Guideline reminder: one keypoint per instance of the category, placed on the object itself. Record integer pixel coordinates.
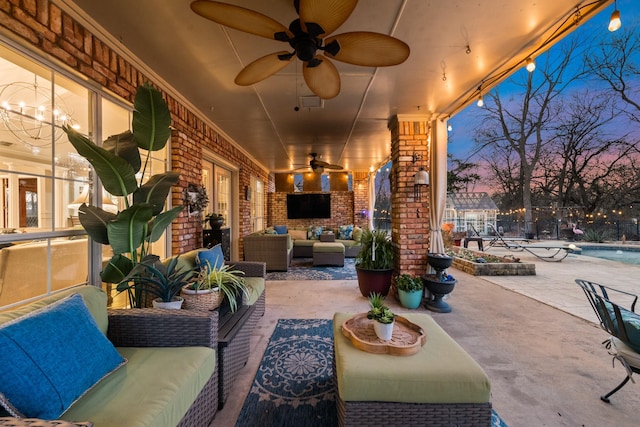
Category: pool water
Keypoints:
(627, 256)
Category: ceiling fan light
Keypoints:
(615, 23)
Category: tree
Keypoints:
(461, 176)
(616, 61)
(521, 124)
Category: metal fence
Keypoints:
(629, 229)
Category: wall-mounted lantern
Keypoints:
(420, 179)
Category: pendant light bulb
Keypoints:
(480, 101)
(531, 65)
(615, 23)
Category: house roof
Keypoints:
(470, 202)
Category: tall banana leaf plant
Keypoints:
(131, 231)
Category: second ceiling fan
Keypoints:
(307, 35)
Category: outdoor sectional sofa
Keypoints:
(200, 352)
(170, 376)
(277, 250)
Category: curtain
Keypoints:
(438, 187)
(372, 197)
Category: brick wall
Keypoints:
(341, 211)
(409, 216)
(44, 27)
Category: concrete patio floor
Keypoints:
(533, 335)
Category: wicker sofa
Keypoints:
(181, 344)
(277, 250)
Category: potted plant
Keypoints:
(383, 316)
(118, 163)
(163, 281)
(215, 285)
(374, 263)
(215, 220)
(410, 290)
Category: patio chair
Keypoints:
(545, 251)
(623, 326)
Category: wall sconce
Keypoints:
(420, 179)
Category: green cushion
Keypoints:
(441, 372)
(303, 243)
(186, 260)
(256, 286)
(52, 356)
(94, 298)
(328, 247)
(155, 388)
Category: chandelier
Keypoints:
(31, 115)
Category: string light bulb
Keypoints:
(480, 102)
(615, 23)
(531, 65)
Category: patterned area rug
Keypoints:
(303, 269)
(294, 384)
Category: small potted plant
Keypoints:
(215, 220)
(383, 316)
(213, 285)
(410, 290)
(153, 277)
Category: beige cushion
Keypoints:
(298, 234)
(441, 372)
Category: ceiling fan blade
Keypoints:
(239, 18)
(328, 14)
(263, 67)
(320, 164)
(323, 79)
(368, 49)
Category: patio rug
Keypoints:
(303, 269)
(294, 384)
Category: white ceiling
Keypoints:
(200, 59)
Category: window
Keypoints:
(43, 180)
(256, 197)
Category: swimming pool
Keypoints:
(613, 253)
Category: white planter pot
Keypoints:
(384, 331)
(175, 304)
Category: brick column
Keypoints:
(409, 216)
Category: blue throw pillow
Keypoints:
(280, 229)
(345, 232)
(51, 357)
(314, 232)
(213, 256)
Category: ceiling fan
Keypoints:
(318, 166)
(307, 35)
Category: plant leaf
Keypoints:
(94, 220)
(156, 190)
(124, 145)
(116, 174)
(162, 221)
(118, 268)
(128, 231)
(151, 119)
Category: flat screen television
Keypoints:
(308, 206)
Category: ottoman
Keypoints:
(328, 253)
(439, 385)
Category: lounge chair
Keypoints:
(544, 251)
(623, 326)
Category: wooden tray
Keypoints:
(407, 337)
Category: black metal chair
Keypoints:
(623, 326)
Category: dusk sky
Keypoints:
(462, 123)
